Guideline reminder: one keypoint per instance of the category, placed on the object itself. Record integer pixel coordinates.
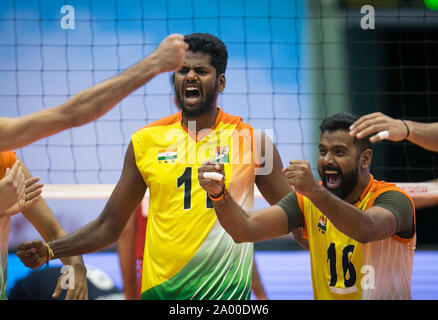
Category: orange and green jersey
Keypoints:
(7, 160)
(343, 268)
(187, 254)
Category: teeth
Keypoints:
(331, 172)
(191, 88)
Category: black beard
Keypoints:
(202, 108)
(348, 182)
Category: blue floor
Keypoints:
(285, 275)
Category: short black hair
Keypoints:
(343, 121)
(209, 44)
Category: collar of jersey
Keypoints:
(195, 136)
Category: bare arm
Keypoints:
(424, 202)
(422, 134)
(31, 195)
(257, 285)
(43, 219)
(12, 189)
(126, 249)
(93, 102)
(273, 185)
(106, 228)
(253, 226)
(243, 226)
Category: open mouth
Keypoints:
(333, 178)
(192, 95)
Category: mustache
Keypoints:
(331, 167)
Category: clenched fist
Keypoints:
(212, 186)
(171, 53)
(33, 254)
(299, 175)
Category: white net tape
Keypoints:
(102, 191)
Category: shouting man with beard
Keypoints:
(360, 231)
(187, 254)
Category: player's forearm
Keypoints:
(11, 211)
(424, 134)
(233, 219)
(348, 219)
(85, 106)
(59, 233)
(94, 102)
(126, 249)
(93, 237)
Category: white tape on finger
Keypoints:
(383, 134)
(213, 175)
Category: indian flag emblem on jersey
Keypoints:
(322, 224)
(167, 155)
(222, 154)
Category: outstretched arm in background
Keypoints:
(273, 185)
(423, 134)
(91, 103)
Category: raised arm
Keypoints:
(423, 134)
(93, 102)
(273, 184)
(106, 228)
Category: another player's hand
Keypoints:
(32, 194)
(372, 124)
(299, 176)
(78, 290)
(171, 53)
(12, 187)
(213, 187)
(33, 254)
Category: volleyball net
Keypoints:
(291, 64)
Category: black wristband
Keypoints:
(408, 132)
